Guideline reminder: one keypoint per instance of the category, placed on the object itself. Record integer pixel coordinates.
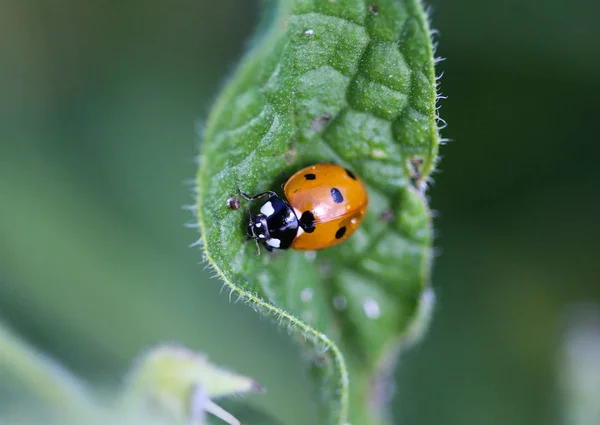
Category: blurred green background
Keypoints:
(98, 107)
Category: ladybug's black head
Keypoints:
(257, 228)
(276, 226)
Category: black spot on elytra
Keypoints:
(307, 222)
(310, 176)
(337, 195)
(340, 233)
(350, 173)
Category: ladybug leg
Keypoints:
(258, 247)
(258, 196)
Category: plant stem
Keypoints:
(42, 377)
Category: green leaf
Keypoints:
(348, 82)
(181, 383)
(168, 385)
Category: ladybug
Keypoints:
(324, 205)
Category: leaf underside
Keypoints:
(346, 82)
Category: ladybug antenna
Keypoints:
(251, 234)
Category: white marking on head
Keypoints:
(371, 308)
(261, 236)
(275, 243)
(258, 224)
(300, 231)
(306, 294)
(267, 209)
